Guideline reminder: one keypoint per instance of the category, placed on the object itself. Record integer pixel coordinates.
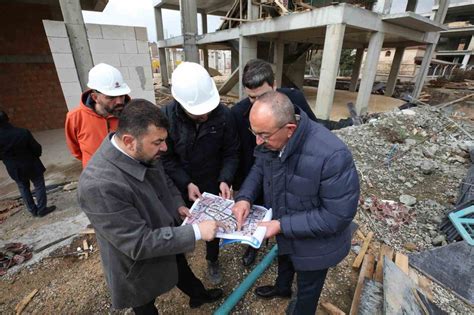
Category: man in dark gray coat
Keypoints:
(310, 181)
(133, 206)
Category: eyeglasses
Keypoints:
(263, 136)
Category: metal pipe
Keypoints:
(240, 291)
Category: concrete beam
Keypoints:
(329, 68)
(370, 69)
(189, 29)
(411, 5)
(174, 42)
(465, 61)
(356, 69)
(394, 70)
(161, 51)
(247, 51)
(72, 13)
(219, 36)
(278, 59)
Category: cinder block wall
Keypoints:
(124, 47)
(30, 92)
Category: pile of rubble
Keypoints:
(416, 157)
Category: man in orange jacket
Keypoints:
(97, 114)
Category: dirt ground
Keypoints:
(69, 285)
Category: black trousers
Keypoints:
(309, 285)
(188, 283)
(212, 250)
(40, 193)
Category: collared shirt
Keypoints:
(197, 232)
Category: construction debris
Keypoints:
(24, 302)
(13, 254)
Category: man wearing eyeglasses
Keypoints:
(257, 79)
(309, 179)
(98, 111)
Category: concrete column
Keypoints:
(188, 11)
(252, 10)
(370, 69)
(72, 13)
(205, 52)
(394, 70)
(247, 51)
(430, 48)
(278, 55)
(383, 6)
(411, 5)
(329, 68)
(161, 51)
(356, 69)
(471, 44)
(465, 61)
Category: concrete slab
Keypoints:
(413, 21)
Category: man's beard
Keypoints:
(141, 156)
(116, 110)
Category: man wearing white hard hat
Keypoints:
(97, 113)
(202, 143)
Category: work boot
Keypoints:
(270, 292)
(213, 272)
(46, 211)
(209, 296)
(249, 256)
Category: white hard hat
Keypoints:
(107, 80)
(194, 89)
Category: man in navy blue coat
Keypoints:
(20, 153)
(310, 181)
(257, 79)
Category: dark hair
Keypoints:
(3, 117)
(138, 115)
(256, 73)
(280, 105)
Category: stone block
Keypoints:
(59, 45)
(67, 75)
(55, 28)
(106, 46)
(118, 32)
(94, 31)
(64, 61)
(132, 60)
(71, 89)
(110, 59)
(141, 34)
(130, 46)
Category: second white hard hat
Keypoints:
(107, 80)
(194, 89)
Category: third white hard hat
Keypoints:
(194, 89)
(107, 80)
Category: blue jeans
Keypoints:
(309, 285)
(40, 194)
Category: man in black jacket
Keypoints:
(202, 143)
(20, 153)
(258, 78)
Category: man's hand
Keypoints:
(241, 210)
(193, 192)
(225, 190)
(209, 229)
(184, 212)
(273, 228)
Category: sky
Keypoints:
(141, 13)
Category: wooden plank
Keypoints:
(360, 235)
(398, 291)
(87, 231)
(385, 251)
(425, 285)
(363, 250)
(24, 302)
(366, 271)
(281, 6)
(332, 309)
(401, 261)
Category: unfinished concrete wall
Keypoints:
(123, 47)
(30, 92)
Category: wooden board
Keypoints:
(398, 291)
(363, 250)
(24, 302)
(366, 271)
(331, 309)
(451, 266)
(385, 251)
(402, 262)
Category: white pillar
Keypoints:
(356, 69)
(247, 51)
(161, 51)
(369, 72)
(279, 50)
(76, 30)
(394, 70)
(188, 11)
(465, 61)
(329, 67)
